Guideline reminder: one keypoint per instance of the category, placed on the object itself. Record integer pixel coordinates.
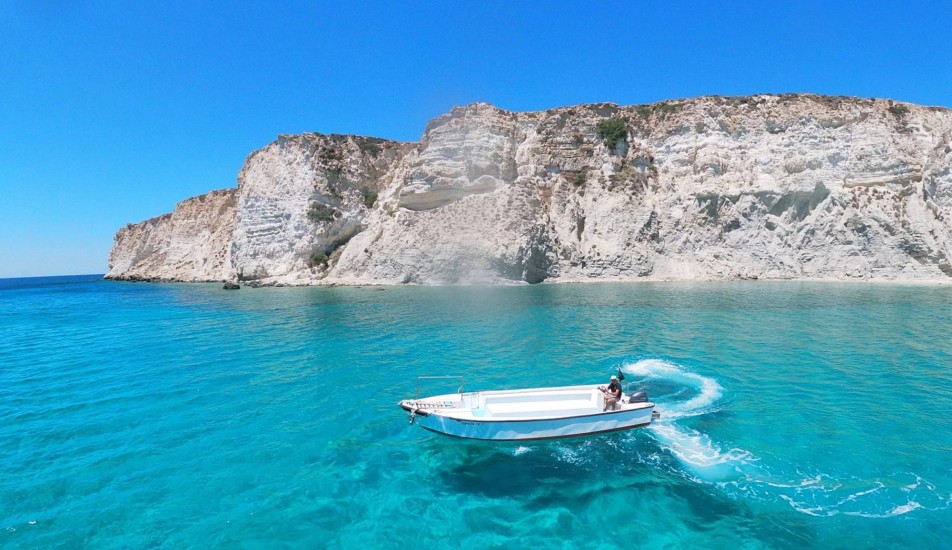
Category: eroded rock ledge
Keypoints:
(761, 187)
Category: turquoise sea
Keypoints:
(794, 415)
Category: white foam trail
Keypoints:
(904, 509)
(695, 450)
(817, 511)
(896, 511)
(708, 390)
(854, 496)
(740, 472)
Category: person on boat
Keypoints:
(612, 394)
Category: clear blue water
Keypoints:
(174, 416)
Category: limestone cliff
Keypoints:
(193, 243)
(301, 199)
(790, 186)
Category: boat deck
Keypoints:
(542, 403)
(531, 408)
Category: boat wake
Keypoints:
(707, 391)
(740, 473)
(692, 395)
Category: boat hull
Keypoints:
(534, 430)
(527, 414)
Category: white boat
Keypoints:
(528, 414)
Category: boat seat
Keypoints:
(528, 409)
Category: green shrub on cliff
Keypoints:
(612, 130)
(370, 198)
(899, 111)
(318, 258)
(319, 212)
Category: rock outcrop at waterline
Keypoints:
(789, 186)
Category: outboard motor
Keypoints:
(639, 396)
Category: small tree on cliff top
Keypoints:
(612, 130)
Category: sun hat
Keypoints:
(614, 377)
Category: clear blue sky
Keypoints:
(111, 112)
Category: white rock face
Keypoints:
(192, 243)
(330, 177)
(792, 186)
